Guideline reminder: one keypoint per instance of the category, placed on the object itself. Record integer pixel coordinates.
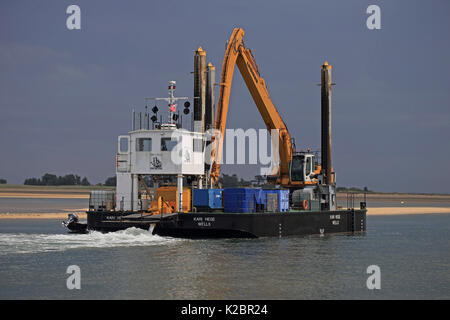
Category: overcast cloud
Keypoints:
(66, 95)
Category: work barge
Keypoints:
(168, 174)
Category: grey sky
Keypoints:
(65, 95)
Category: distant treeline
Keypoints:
(67, 180)
(352, 189)
(225, 180)
(111, 181)
(232, 181)
(3, 181)
(49, 179)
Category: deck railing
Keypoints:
(352, 196)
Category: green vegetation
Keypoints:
(52, 188)
(74, 182)
(353, 189)
(69, 180)
(111, 181)
(232, 181)
(53, 180)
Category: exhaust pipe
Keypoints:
(199, 90)
(326, 123)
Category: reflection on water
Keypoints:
(412, 252)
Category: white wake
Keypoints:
(32, 243)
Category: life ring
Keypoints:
(305, 204)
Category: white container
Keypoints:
(101, 200)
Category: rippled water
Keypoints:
(412, 252)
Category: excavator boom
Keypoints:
(237, 53)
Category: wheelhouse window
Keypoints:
(144, 144)
(167, 144)
(123, 144)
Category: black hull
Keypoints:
(115, 221)
(236, 225)
(76, 227)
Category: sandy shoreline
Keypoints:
(70, 192)
(36, 192)
(62, 216)
(48, 192)
(405, 210)
(43, 195)
(370, 212)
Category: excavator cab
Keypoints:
(303, 167)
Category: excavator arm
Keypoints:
(237, 53)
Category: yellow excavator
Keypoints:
(296, 169)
